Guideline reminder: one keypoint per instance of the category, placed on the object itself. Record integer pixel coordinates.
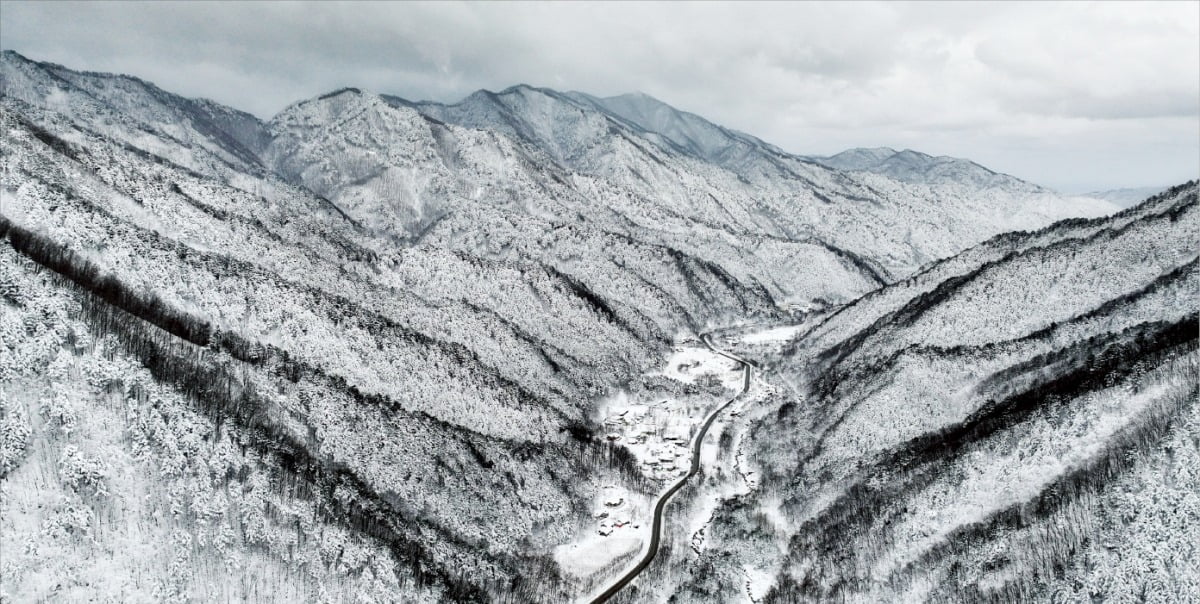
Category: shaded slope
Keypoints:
(971, 434)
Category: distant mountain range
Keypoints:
(916, 167)
(1126, 197)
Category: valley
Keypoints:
(546, 346)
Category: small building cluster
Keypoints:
(657, 434)
(615, 513)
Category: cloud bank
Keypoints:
(1076, 96)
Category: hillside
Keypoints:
(1015, 423)
(643, 168)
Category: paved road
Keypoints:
(656, 527)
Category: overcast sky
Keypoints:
(1076, 96)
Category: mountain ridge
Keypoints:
(914, 166)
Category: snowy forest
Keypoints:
(545, 346)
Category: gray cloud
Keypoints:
(1070, 95)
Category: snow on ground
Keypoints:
(618, 531)
(691, 363)
(701, 515)
(615, 510)
(773, 335)
(591, 554)
(711, 460)
(758, 582)
(658, 431)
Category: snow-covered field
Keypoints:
(693, 362)
(773, 335)
(619, 531)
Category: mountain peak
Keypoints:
(339, 92)
(524, 88)
(860, 156)
(336, 102)
(636, 97)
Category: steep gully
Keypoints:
(665, 498)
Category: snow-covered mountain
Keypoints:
(1015, 423)
(685, 131)
(218, 356)
(140, 114)
(757, 213)
(365, 350)
(916, 167)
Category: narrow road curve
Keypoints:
(665, 498)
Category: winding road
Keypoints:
(665, 497)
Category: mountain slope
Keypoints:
(353, 373)
(568, 158)
(685, 131)
(991, 429)
(141, 114)
(406, 174)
